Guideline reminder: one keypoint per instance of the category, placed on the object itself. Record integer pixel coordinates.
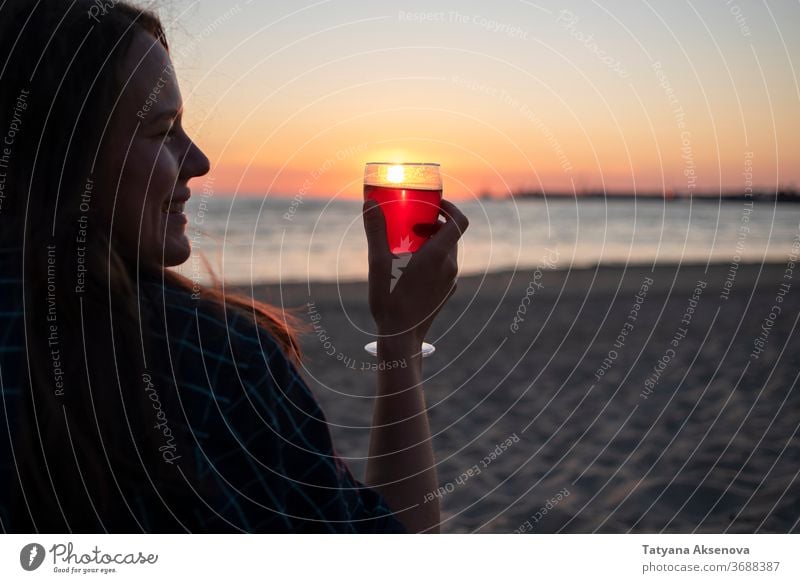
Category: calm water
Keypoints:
(248, 239)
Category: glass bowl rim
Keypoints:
(403, 164)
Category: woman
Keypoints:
(133, 402)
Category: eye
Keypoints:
(169, 133)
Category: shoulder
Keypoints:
(195, 324)
(226, 369)
(218, 351)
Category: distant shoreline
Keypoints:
(792, 196)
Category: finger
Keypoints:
(375, 229)
(426, 229)
(455, 225)
(452, 259)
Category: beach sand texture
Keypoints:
(685, 430)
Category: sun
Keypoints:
(396, 174)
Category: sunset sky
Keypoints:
(294, 97)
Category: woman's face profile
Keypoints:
(148, 160)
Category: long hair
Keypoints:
(86, 439)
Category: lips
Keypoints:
(172, 207)
(175, 204)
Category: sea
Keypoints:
(274, 239)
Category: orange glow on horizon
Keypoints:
(477, 156)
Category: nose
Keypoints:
(195, 162)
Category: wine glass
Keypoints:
(409, 195)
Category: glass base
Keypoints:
(427, 349)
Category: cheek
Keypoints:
(162, 173)
(148, 178)
(154, 172)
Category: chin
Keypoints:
(177, 253)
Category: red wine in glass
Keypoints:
(405, 209)
(409, 195)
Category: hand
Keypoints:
(408, 305)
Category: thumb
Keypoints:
(375, 228)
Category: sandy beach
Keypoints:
(606, 399)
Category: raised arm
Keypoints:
(401, 462)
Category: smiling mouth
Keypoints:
(172, 208)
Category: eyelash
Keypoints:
(170, 133)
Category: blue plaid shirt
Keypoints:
(254, 427)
